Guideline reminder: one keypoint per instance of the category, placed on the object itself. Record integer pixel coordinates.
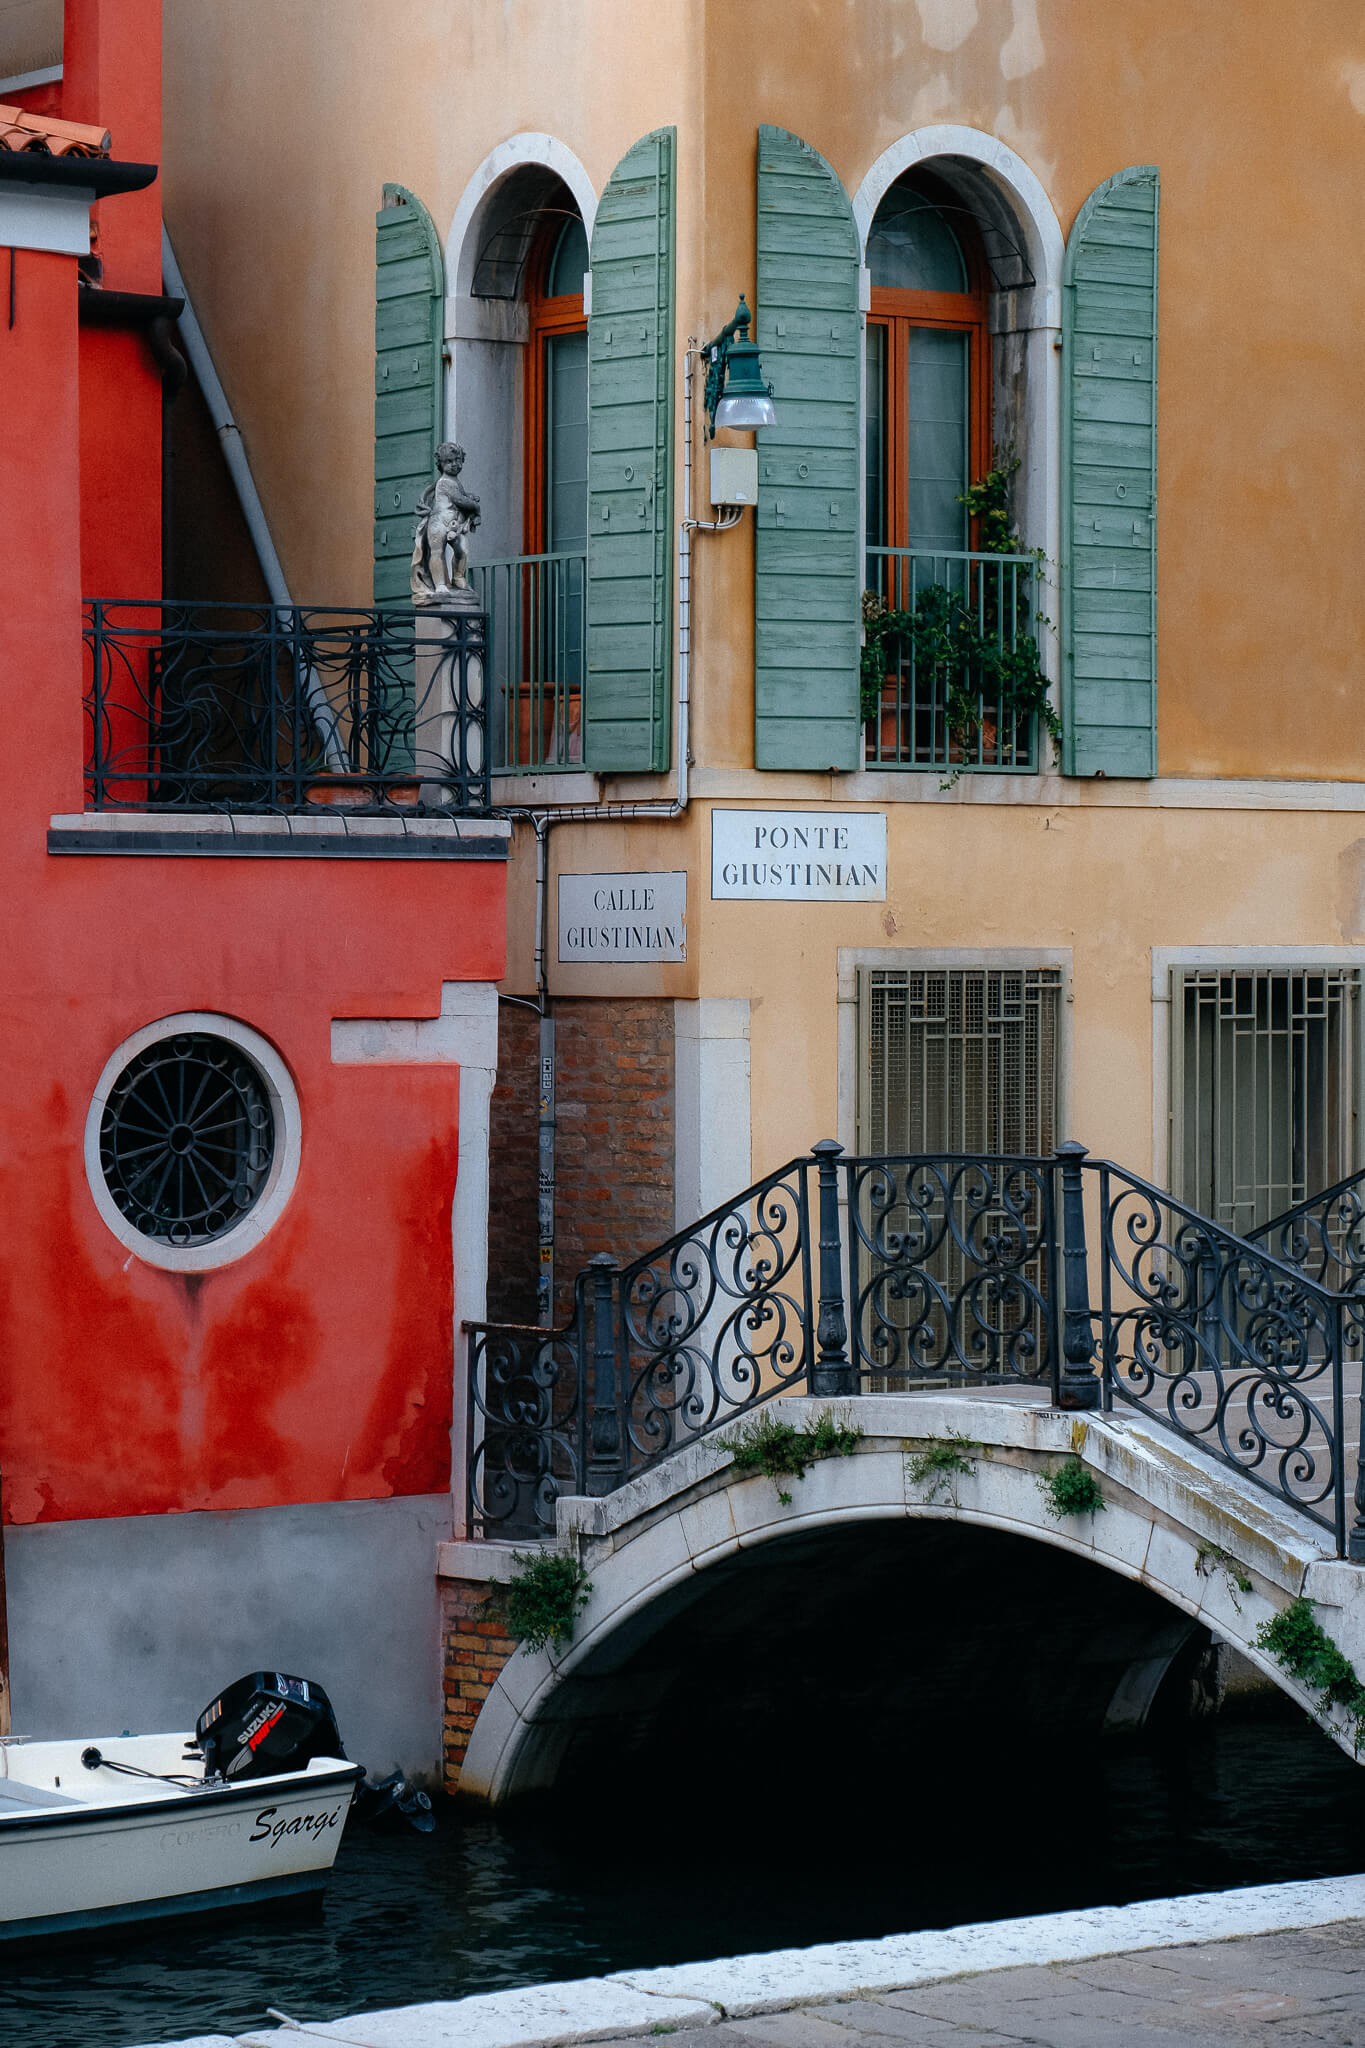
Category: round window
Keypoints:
(192, 1140)
(187, 1138)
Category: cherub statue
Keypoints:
(446, 512)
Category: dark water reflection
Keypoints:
(966, 1827)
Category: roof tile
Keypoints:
(41, 135)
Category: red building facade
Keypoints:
(225, 1417)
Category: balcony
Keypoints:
(536, 607)
(283, 709)
(950, 669)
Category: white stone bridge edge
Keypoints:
(1170, 1514)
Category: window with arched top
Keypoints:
(561, 406)
(953, 605)
(928, 379)
(556, 427)
(521, 375)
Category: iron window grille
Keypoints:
(954, 1061)
(187, 1139)
(1265, 1087)
(959, 1059)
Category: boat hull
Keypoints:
(72, 1869)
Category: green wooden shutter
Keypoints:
(1109, 480)
(807, 577)
(630, 463)
(408, 322)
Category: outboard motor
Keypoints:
(264, 1724)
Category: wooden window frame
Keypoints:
(897, 312)
(547, 317)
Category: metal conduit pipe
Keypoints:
(239, 469)
(543, 823)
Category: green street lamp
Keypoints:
(736, 395)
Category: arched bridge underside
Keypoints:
(888, 1603)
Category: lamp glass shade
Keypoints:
(746, 409)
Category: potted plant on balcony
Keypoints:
(978, 674)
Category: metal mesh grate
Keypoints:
(960, 1059)
(1265, 1086)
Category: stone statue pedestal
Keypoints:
(448, 741)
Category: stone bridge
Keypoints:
(1207, 1384)
(717, 1610)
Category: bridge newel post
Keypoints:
(832, 1370)
(1355, 1541)
(1078, 1386)
(606, 1448)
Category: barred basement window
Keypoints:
(187, 1139)
(958, 1059)
(1265, 1087)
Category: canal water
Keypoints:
(971, 1824)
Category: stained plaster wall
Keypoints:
(136, 1622)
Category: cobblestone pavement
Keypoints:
(1269, 1990)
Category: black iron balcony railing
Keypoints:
(838, 1276)
(951, 670)
(283, 708)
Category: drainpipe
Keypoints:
(239, 469)
(543, 823)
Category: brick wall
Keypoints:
(613, 1150)
(614, 1146)
(512, 1168)
(474, 1652)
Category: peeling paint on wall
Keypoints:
(1022, 50)
(946, 24)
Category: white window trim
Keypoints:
(1040, 501)
(911, 959)
(530, 147)
(1035, 208)
(1164, 958)
(284, 1165)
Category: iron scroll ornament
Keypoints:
(953, 1268)
(1222, 1343)
(187, 1139)
(718, 1317)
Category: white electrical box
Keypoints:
(734, 476)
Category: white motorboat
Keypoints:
(137, 1827)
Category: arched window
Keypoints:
(522, 412)
(548, 601)
(556, 431)
(928, 390)
(580, 636)
(961, 681)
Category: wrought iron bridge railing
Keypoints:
(959, 660)
(536, 660)
(209, 707)
(840, 1275)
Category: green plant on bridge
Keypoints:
(1301, 1646)
(940, 1465)
(782, 1451)
(1071, 1490)
(543, 1598)
(1211, 1558)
